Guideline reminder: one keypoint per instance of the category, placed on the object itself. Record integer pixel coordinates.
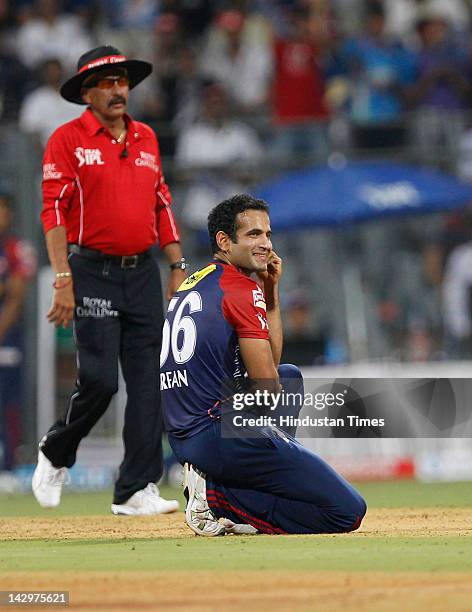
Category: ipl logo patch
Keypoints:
(89, 157)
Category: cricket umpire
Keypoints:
(105, 204)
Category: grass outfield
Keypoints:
(413, 551)
(431, 554)
(397, 494)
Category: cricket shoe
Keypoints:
(47, 482)
(198, 514)
(146, 502)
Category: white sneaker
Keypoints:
(47, 482)
(198, 515)
(145, 503)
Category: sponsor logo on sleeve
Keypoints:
(50, 172)
(258, 298)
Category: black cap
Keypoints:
(97, 59)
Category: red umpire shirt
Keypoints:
(111, 197)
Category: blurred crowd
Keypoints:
(243, 89)
(310, 75)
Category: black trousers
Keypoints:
(118, 317)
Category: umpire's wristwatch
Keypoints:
(179, 265)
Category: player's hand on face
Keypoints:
(274, 270)
(62, 307)
(274, 267)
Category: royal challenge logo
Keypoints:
(50, 172)
(148, 160)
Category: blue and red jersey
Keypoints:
(200, 361)
(17, 258)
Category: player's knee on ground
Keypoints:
(361, 511)
(355, 511)
(345, 516)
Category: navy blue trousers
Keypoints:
(271, 481)
(133, 338)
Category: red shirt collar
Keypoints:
(93, 125)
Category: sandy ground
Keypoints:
(247, 590)
(391, 522)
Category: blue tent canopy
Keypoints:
(362, 191)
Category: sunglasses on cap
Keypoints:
(107, 82)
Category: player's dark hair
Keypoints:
(223, 217)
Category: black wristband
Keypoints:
(179, 265)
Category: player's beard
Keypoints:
(259, 263)
(254, 266)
